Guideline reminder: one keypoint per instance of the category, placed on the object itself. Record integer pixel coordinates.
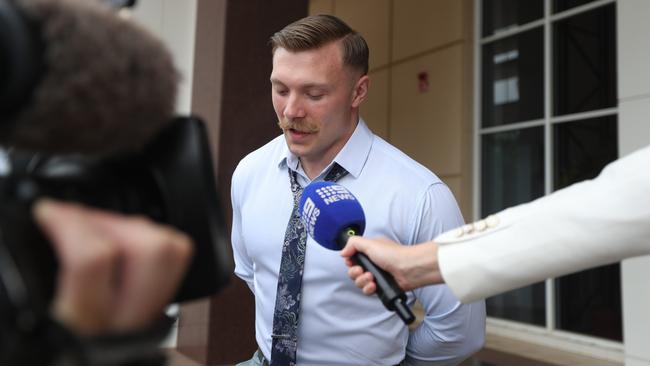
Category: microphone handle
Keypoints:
(389, 292)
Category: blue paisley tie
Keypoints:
(287, 300)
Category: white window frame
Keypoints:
(548, 335)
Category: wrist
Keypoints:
(423, 267)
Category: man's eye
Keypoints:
(282, 92)
(315, 96)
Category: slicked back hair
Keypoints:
(318, 30)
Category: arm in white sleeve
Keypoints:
(588, 224)
(450, 331)
(243, 262)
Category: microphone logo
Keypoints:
(334, 193)
(310, 215)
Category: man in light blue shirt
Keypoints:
(319, 80)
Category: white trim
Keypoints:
(478, 106)
(511, 126)
(548, 148)
(512, 31)
(585, 115)
(580, 9)
(542, 122)
(571, 342)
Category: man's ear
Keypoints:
(360, 91)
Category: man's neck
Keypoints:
(313, 169)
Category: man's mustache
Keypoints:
(300, 126)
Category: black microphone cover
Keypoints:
(107, 84)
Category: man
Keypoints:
(588, 224)
(307, 312)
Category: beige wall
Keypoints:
(407, 38)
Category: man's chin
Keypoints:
(298, 149)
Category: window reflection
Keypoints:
(513, 79)
(506, 90)
(512, 168)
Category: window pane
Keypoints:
(512, 168)
(582, 149)
(588, 302)
(584, 61)
(513, 173)
(561, 5)
(513, 79)
(499, 15)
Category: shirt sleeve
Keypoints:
(243, 262)
(451, 331)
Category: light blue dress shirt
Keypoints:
(402, 201)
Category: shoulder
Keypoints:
(262, 157)
(256, 163)
(389, 161)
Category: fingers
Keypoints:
(117, 272)
(86, 262)
(363, 280)
(350, 248)
(356, 244)
(156, 258)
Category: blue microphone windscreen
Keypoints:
(328, 208)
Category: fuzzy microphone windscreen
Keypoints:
(107, 86)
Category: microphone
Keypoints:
(331, 215)
(76, 78)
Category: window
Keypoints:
(547, 118)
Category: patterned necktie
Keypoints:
(287, 300)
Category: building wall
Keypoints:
(409, 39)
(174, 22)
(634, 133)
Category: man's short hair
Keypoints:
(315, 31)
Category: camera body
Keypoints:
(171, 181)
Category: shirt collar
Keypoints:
(352, 156)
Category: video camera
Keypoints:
(171, 181)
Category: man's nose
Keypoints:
(294, 109)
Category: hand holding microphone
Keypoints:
(331, 215)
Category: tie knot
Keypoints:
(336, 172)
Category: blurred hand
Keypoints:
(116, 273)
(411, 266)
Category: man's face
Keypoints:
(315, 98)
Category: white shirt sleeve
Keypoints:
(243, 262)
(451, 331)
